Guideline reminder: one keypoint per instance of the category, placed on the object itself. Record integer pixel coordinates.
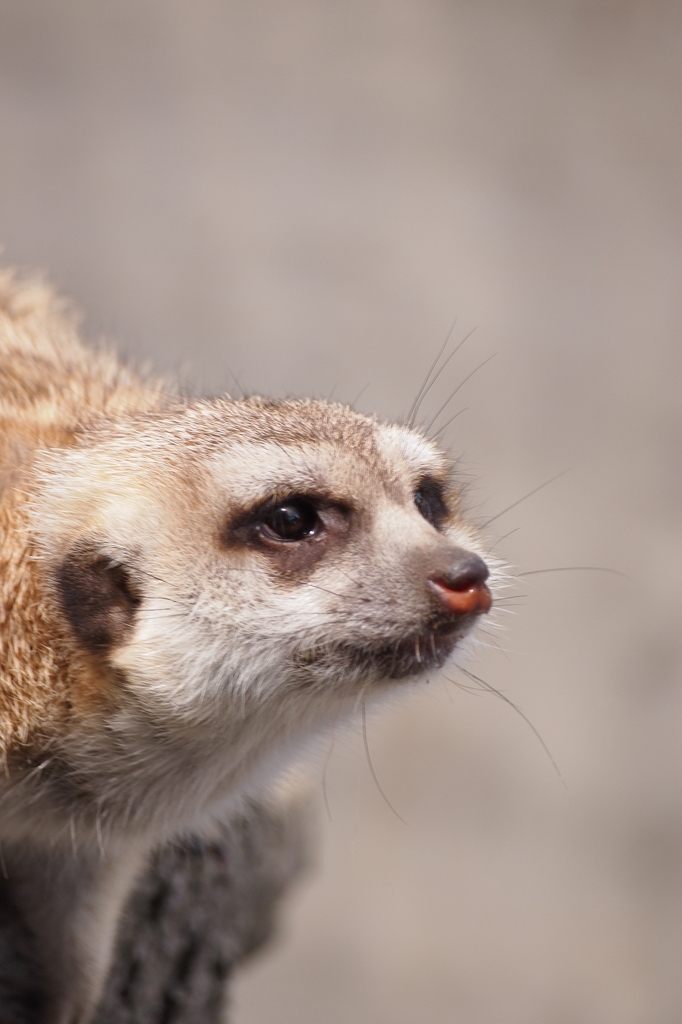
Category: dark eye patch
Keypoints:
(429, 499)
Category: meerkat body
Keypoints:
(187, 592)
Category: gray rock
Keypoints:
(198, 911)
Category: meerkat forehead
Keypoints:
(345, 456)
(305, 426)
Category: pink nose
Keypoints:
(462, 588)
(474, 600)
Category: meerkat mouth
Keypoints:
(412, 655)
(417, 653)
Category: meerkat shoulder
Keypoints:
(52, 389)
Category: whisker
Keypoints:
(413, 408)
(303, 583)
(442, 429)
(359, 396)
(500, 539)
(237, 382)
(486, 632)
(524, 498)
(325, 590)
(573, 568)
(507, 700)
(447, 690)
(440, 370)
(475, 691)
(361, 699)
(458, 388)
(144, 572)
(324, 772)
(371, 766)
(343, 572)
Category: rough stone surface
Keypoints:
(200, 908)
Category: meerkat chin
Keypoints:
(187, 591)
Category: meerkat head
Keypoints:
(234, 556)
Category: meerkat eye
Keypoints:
(430, 502)
(291, 520)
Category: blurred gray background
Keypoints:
(303, 196)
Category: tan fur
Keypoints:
(51, 390)
(161, 652)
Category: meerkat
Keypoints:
(188, 591)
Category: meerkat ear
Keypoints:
(98, 598)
